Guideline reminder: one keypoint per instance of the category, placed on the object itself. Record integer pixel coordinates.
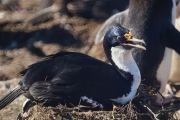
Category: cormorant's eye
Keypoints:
(116, 41)
(120, 38)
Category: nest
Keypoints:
(140, 108)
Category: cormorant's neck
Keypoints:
(125, 64)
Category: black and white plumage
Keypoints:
(70, 78)
(152, 21)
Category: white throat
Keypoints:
(124, 60)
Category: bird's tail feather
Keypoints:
(9, 97)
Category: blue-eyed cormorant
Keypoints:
(71, 78)
(152, 21)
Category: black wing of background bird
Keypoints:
(171, 38)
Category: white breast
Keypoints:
(124, 60)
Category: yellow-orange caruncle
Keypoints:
(128, 35)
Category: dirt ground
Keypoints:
(23, 44)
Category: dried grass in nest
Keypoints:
(140, 108)
(60, 112)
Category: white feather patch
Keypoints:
(124, 60)
(89, 100)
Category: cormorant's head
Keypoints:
(120, 36)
